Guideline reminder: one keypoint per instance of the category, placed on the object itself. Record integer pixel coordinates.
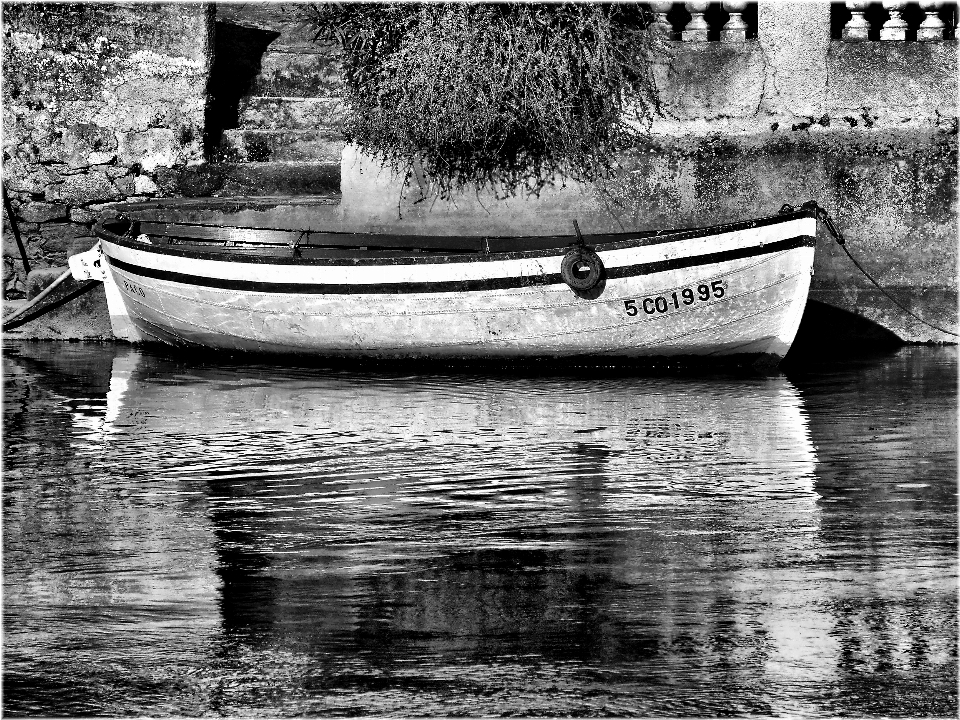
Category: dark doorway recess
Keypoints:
(238, 52)
(827, 332)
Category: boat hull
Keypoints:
(731, 291)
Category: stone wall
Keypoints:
(104, 102)
(101, 102)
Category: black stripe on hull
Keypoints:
(442, 286)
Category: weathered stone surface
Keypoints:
(280, 145)
(283, 17)
(199, 180)
(84, 188)
(736, 83)
(83, 215)
(125, 185)
(143, 185)
(38, 212)
(87, 144)
(280, 178)
(83, 318)
(192, 181)
(112, 171)
(149, 148)
(59, 240)
(304, 74)
(286, 113)
(794, 37)
(88, 86)
(28, 178)
(39, 280)
(884, 78)
(14, 279)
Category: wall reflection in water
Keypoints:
(334, 541)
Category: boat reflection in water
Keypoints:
(187, 540)
(447, 529)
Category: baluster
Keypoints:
(857, 28)
(932, 27)
(660, 22)
(735, 31)
(896, 27)
(697, 29)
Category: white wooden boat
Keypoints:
(734, 291)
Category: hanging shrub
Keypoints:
(500, 95)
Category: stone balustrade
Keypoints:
(894, 20)
(731, 21)
(735, 21)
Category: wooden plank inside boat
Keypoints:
(305, 239)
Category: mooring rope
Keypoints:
(24, 319)
(841, 241)
(28, 312)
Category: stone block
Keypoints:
(58, 240)
(84, 188)
(88, 144)
(281, 145)
(284, 74)
(83, 215)
(125, 184)
(40, 212)
(143, 185)
(192, 181)
(378, 199)
(113, 171)
(280, 178)
(886, 77)
(733, 88)
(9, 246)
(40, 279)
(150, 149)
(285, 113)
(795, 39)
(14, 282)
(27, 177)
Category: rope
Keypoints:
(36, 301)
(838, 236)
(10, 325)
(891, 298)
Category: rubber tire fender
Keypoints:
(573, 264)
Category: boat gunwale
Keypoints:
(405, 256)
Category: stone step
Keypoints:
(292, 113)
(297, 74)
(243, 145)
(279, 178)
(290, 20)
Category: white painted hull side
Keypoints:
(653, 303)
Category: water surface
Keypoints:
(214, 538)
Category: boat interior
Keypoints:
(310, 227)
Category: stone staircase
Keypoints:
(286, 137)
